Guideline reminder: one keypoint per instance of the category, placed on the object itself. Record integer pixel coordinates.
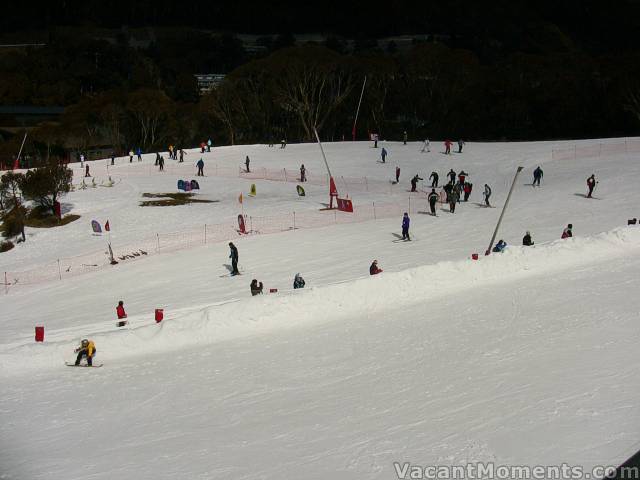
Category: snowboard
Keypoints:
(85, 366)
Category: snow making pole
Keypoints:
(326, 164)
(353, 131)
(504, 209)
(332, 189)
(24, 139)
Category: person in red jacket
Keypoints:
(447, 146)
(121, 314)
(373, 269)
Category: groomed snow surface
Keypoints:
(528, 357)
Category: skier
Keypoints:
(460, 145)
(200, 166)
(452, 176)
(256, 287)
(487, 195)
(414, 182)
(209, 142)
(405, 226)
(537, 176)
(86, 349)
(500, 246)
(404, 137)
(170, 150)
(458, 189)
(526, 240)
(373, 269)
(113, 159)
(454, 197)
(86, 171)
(202, 147)
(468, 187)
(283, 143)
(375, 140)
(139, 153)
(157, 159)
(303, 173)
(246, 164)
(383, 154)
(426, 146)
(298, 281)
(448, 189)
(567, 232)
(397, 174)
(130, 156)
(182, 154)
(234, 259)
(82, 159)
(447, 146)
(434, 179)
(591, 184)
(462, 176)
(121, 314)
(161, 164)
(433, 199)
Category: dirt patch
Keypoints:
(49, 221)
(171, 199)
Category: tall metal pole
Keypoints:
(353, 131)
(504, 209)
(322, 150)
(21, 146)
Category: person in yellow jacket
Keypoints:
(86, 349)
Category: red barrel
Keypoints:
(474, 256)
(273, 290)
(39, 334)
(159, 314)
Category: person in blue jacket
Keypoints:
(500, 246)
(383, 154)
(405, 226)
(139, 153)
(200, 166)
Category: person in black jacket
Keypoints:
(434, 179)
(526, 240)
(234, 259)
(433, 199)
(256, 287)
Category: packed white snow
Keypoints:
(528, 357)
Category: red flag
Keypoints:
(106, 227)
(333, 191)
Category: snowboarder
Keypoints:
(405, 226)
(256, 287)
(404, 137)
(246, 164)
(526, 240)
(200, 166)
(433, 199)
(537, 176)
(460, 145)
(447, 147)
(86, 171)
(234, 259)
(86, 349)
(373, 269)
(500, 246)
(468, 187)
(591, 184)
(454, 197)
(397, 174)
(567, 232)
(426, 146)
(434, 179)
(298, 281)
(487, 195)
(452, 176)
(303, 173)
(414, 182)
(383, 154)
(161, 164)
(121, 314)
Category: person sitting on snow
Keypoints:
(373, 269)
(256, 287)
(121, 314)
(86, 349)
(298, 281)
(567, 232)
(500, 246)
(526, 240)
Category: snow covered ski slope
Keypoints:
(528, 357)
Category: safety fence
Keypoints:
(197, 236)
(597, 150)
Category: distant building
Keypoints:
(208, 81)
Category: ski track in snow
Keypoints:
(526, 357)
